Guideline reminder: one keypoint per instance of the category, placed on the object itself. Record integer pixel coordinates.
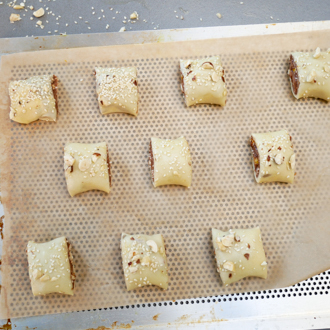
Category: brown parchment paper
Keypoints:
(294, 219)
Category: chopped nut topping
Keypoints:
(326, 68)
(153, 246)
(133, 269)
(221, 246)
(237, 238)
(95, 157)
(229, 265)
(14, 18)
(54, 279)
(36, 274)
(317, 53)
(19, 6)
(38, 13)
(278, 159)
(68, 161)
(207, 65)
(84, 165)
(219, 15)
(134, 15)
(215, 77)
(188, 64)
(247, 256)
(44, 278)
(228, 240)
(122, 29)
(292, 161)
(145, 261)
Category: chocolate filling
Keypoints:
(54, 87)
(255, 154)
(109, 166)
(182, 84)
(293, 73)
(151, 161)
(73, 274)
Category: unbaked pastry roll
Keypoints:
(51, 267)
(33, 99)
(239, 253)
(87, 167)
(203, 81)
(273, 157)
(117, 90)
(170, 162)
(144, 261)
(310, 74)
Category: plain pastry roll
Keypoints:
(239, 253)
(117, 90)
(310, 74)
(203, 81)
(33, 99)
(87, 167)
(144, 261)
(273, 157)
(170, 162)
(51, 267)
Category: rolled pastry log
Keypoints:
(33, 99)
(203, 81)
(117, 90)
(170, 162)
(310, 74)
(144, 261)
(87, 167)
(239, 253)
(51, 267)
(273, 157)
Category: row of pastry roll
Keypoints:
(87, 166)
(202, 81)
(239, 253)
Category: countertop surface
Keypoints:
(85, 16)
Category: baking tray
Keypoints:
(303, 304)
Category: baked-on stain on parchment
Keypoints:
(114, 326)
(6, 326)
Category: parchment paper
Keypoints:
(294, 219)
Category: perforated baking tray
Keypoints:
(214, 309)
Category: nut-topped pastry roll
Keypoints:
(273, 157)
(87, 167)
(144, 261)
(239, 253)
(33, 99)
(310, 74)
(170, 162)
(117, 90)
(203, 81)
(51, 267)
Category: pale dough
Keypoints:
(117, 90)
(314, 74)
(203, 81)
(170, 162)
(33, 99)
(144, 261)
(277, 159)
(51, 267)
(86, 167)
(239, 253)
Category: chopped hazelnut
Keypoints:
(84, 165)
(38, 13)
(153, 246)
(229, 265)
